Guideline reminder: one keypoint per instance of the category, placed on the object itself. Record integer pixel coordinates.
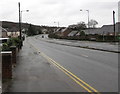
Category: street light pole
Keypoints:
(88, 16)
(22, 12)
(57, 23)
(114, 25)
(20, 20)
(21, 16)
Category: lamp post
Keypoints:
(22, 12)
(20, 21)
(88, 16)
(57, 23)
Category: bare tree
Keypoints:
(93, 23)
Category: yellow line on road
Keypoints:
(72, 75)
(80, 82)
(68, 74)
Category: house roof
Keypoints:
(110, 28)
(72, 33)
(118, 27)
(78, 33)
(59, 29)
(13, 29)
(3, 29)
(93, 31)
(63, 30)
(105, 29)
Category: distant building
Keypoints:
(104, 30)
(13, 32)
(93, 31)
(65, 32)
(72, 33)
(78, 34)
(4, 33)
(62, 31)
(59, 31)
(44, 30)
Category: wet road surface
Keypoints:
(99, 69)
(49, 67)
(34, 73)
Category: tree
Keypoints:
(93, 23)
(81, 25)
(31, 31)
(82, 33)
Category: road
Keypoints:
(97, 68)
(90, 44)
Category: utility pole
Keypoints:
(20, 26)
(114, 25)
(19, 19)
(57, 23)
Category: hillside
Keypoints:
(9, 25)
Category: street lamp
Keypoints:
(20, 20)
(88, 16)
(22, 12)
(57, 23)
(21, 17)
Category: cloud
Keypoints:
(119, 11)
(45, 12)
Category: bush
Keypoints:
(31, 30)
(52, 35)
(5, 47)
(11, 42)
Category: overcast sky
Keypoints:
(66, 12)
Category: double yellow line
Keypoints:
(80, 82)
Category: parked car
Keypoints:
(3, 40)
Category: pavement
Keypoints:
(33, 73)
